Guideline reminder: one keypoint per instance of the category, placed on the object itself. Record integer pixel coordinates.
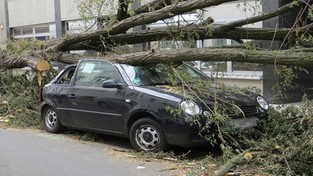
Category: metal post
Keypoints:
(58, 20)
(7, 24)
(140, 46)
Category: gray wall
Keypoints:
(3, 24)
(269, 79)
(304, 82)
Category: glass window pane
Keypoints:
(26, 31)
(17, 31)
(95, 73)
(213, 66)
(41, 29)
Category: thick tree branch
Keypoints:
(148, 7)
(284, 57)
(29, 59)
(190, 32)
(144, 18)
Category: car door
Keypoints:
(57, 93)
(90, 105)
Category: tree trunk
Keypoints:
(192, 33)
(30, 59)
(283, 57)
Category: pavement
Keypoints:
(37, 153)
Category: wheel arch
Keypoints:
(138, 115)
(43, 107)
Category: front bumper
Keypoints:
(180, 133)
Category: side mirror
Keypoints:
(111, 84)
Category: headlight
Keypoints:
(262, 102)
(190, 107)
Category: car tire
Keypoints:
(51, 121)
(147, 135)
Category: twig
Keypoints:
(230, 164)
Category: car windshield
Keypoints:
(161, 74)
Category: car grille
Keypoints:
(249, 110)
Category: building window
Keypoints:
(27, 31)
(17, 31)
(41, 29)
(229, 69)
(41, 32)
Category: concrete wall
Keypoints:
(3, 35)
(233, 11)
(32, 12)
(69, 10)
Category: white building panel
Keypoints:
(234, 11)
(69, 10)
(30, 12)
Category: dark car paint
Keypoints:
(115, 112)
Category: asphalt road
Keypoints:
(37, 153)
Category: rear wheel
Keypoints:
(147, 135)
(51, 121)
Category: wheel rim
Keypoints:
(51, 119)
(147, 137)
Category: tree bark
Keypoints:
(283, 57)
(30, 59)
(217, 54)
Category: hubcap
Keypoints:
(51, 119)
(147, 137)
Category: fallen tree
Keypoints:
(116, 31)
(114, 35)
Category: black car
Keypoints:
(138, 102)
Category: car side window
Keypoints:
(65, 79)
(94, 73)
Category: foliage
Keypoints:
(19, 47)
(18, 104)
(285, 144)
(286, 81)
(89, 10)
(282, 143)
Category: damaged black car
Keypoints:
(153, 105)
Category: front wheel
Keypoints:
(51, 121)
(147, 135)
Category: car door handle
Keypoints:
(71, 96)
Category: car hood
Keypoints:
(176, 93)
